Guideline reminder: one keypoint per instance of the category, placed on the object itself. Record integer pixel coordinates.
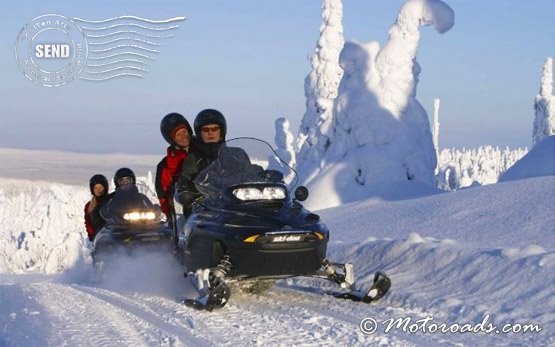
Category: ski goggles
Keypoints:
(125, 180)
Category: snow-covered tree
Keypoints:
(544, 122)
(284, 148)
(321, 88)
(435, 126)
(380, 132)
(483, 165)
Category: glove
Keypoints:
(186, 198)
(91, 237)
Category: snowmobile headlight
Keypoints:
(137, 216)
(266, 193)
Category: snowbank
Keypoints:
(540, 161)
(508, 215)
(41, 226)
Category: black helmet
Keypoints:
(121, 173)
(98, 179)
(210, 116)
(170, 124)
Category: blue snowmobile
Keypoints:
(247, 227)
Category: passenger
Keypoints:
(178, 133)
(98, 185)
(210, 130)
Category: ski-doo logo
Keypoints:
(287, 238)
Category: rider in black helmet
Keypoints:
(126, 194)
(210, 130)
(123, 177)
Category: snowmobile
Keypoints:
(246, 227)
(132, 221)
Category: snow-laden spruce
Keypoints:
(467, 167)
(544, 122)
(321, 88)
(435, 126)
(380, 132)
(284, 148)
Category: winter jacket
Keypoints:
(125, 198)
(167, 172)
(93, 221)
(200, 156)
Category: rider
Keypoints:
(178, 133)
(124, 177)
(210, 130)
(126, 195)
(98, 185)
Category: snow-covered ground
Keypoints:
(54, 166)
(479, 255)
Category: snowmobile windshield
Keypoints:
(245, 161)
(131, 202)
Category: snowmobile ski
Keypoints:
(379, 288)
(213, 291)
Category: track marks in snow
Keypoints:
(89, 321)
(160, 320)
(61, 315)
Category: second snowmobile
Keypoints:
(132, 221)
(247, 227)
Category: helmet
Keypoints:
(121, 173)
(210, 116)
(98, 179)
(170, 123)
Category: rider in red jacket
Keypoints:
(98, 185)
(177, 132)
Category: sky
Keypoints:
(249, 59)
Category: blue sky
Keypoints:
(248, 58)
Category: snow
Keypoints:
(540, 161)
(477, 166)
(378, 132)
(52, 165)
(284, 149)
(544, 122)
(321, 87)
(479, 255)
(460, 257)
